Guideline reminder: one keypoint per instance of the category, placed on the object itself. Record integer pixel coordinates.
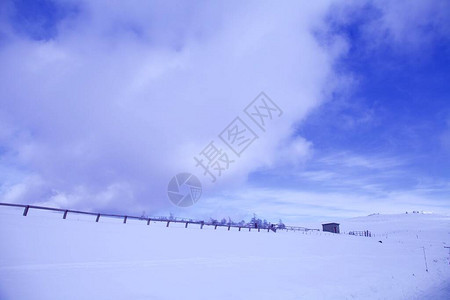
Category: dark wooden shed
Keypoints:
(331, 227)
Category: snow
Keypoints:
(43, 256)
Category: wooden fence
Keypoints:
(167, 221)
(361, 233)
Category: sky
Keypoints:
(102, 103)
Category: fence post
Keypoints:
(185, 226)
(125, 219)
(201, 226)
(215, 227)
(229, 227)
(98, 218)
(239, 228)
(25, 211)
(168, 222)
(65, 214)
(249, 229)
(148, 221)
(425, 258)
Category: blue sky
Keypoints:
(102, 104)
(397, 112)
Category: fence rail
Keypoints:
(361, 233)
(296, 228)
(186, 222)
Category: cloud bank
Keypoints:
(104, 102)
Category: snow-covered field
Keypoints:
(43, 256)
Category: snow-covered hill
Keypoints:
(43, 256)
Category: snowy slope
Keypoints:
(43, 256)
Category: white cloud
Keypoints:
(128, 92)
(346, 159)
